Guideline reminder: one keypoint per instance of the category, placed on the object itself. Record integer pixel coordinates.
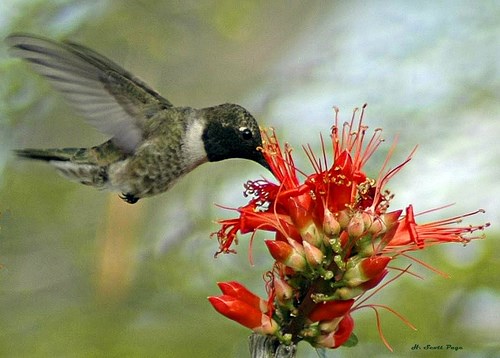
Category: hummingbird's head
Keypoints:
(232, 132)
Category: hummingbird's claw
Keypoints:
(129, 198)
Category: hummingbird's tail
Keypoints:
(73, 163)
(62, 155)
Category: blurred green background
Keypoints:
(85, 275)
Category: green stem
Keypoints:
(297, 324)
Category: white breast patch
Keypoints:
(193, 147)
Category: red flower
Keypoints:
(241, 305)
(333, 234)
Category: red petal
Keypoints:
(237, 310)
(344, 331)
(279, 250)
(327, 311)
(237, 290)
(373, 266)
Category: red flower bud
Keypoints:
(284, 292)
(339, 336)
(356, 226)
(346, 293)
(244, 314)
(368, 285)
(365, 270)
(286, 254)
(331, 226)
(314, 256)
(311, 234)
(343, 218)
(373, 266)
(326, 311)
(237, 290)
(297, 246)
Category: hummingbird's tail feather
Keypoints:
(71, 164)
(65, 154)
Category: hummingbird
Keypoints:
(152, 142)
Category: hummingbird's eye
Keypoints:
(246, 133)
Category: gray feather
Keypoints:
(110, 98)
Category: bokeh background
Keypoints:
(85, 275)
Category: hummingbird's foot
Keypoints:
(129, 198)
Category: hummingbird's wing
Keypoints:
(112, 99)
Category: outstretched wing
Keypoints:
(110, 98)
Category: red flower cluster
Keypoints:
(333, 238)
